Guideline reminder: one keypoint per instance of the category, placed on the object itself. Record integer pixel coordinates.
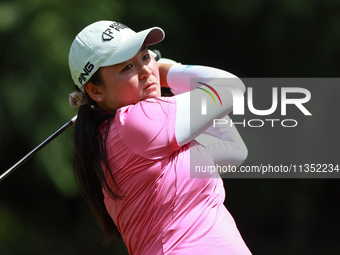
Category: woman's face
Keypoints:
(129, 82)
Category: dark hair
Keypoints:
(90, 156)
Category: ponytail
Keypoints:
(90, 156)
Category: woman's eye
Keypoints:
(128, 67)
(146, 56)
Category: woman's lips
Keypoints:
(150, 85)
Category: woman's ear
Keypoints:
(95, 92)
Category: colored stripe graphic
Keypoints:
(218, 96)
(209, 94)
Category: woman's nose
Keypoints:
(145, 71)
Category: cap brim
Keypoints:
(132, 44)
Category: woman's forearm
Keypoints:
(163, 73)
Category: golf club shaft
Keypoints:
(155, 53)
(36, 149)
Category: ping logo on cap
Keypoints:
(107, 34)
(87, 70)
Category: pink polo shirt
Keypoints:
(163, 210)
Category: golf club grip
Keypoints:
(36, 149)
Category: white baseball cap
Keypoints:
(106, 43)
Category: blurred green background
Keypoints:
(41, 211)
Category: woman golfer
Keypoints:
(137, 152)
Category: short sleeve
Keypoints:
(148, 127)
